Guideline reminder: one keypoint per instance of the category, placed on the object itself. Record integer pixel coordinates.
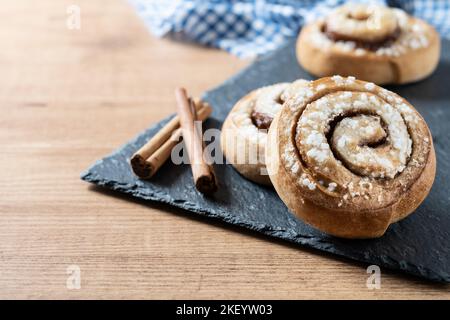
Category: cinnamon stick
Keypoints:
(203, 174)
(162, 136)
(150, 157)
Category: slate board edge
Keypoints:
(310, 242)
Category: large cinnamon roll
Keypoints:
(373, 43)
(244, 132)
(349, 157)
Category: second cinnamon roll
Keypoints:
(244, 132)
(371, 42)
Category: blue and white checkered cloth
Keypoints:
(249, 28)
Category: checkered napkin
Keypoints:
(249, 28)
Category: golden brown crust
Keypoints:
(243, 144)
(405, 60)
(236, 150)
(326, 192)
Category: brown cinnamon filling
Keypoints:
(372, 46)
(261, 120)
(372, 144)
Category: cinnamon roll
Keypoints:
(373, 43)
(244, 132)
(349, 157)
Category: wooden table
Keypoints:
(67, 98)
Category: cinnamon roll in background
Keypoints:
(349, 157)
(373, 43)
(244, 132)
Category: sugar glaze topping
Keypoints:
(351, 140)
(412, 34)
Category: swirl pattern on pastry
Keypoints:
(350, 157)
(398, 47)
(244, 132)
(359, 22)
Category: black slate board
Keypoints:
(418, 245)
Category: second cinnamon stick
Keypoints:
(147, 160)
(204, 178)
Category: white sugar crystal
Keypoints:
(324, 146)
(374, 100)
(369, 86)
(346, 46)
(414, 44)
(307, 183)
(360, 157)
(384, 162)
(352, 123)
(350, 80)
(358, 103)
(318, 154)
(314, 139)
(347, 95)
(342, 141)
(423, 41)
(332, 186)
(322, 102)
(369, 130)
(417, 28)
(289, 158)
(337, 79)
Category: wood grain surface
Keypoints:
(67, 98)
